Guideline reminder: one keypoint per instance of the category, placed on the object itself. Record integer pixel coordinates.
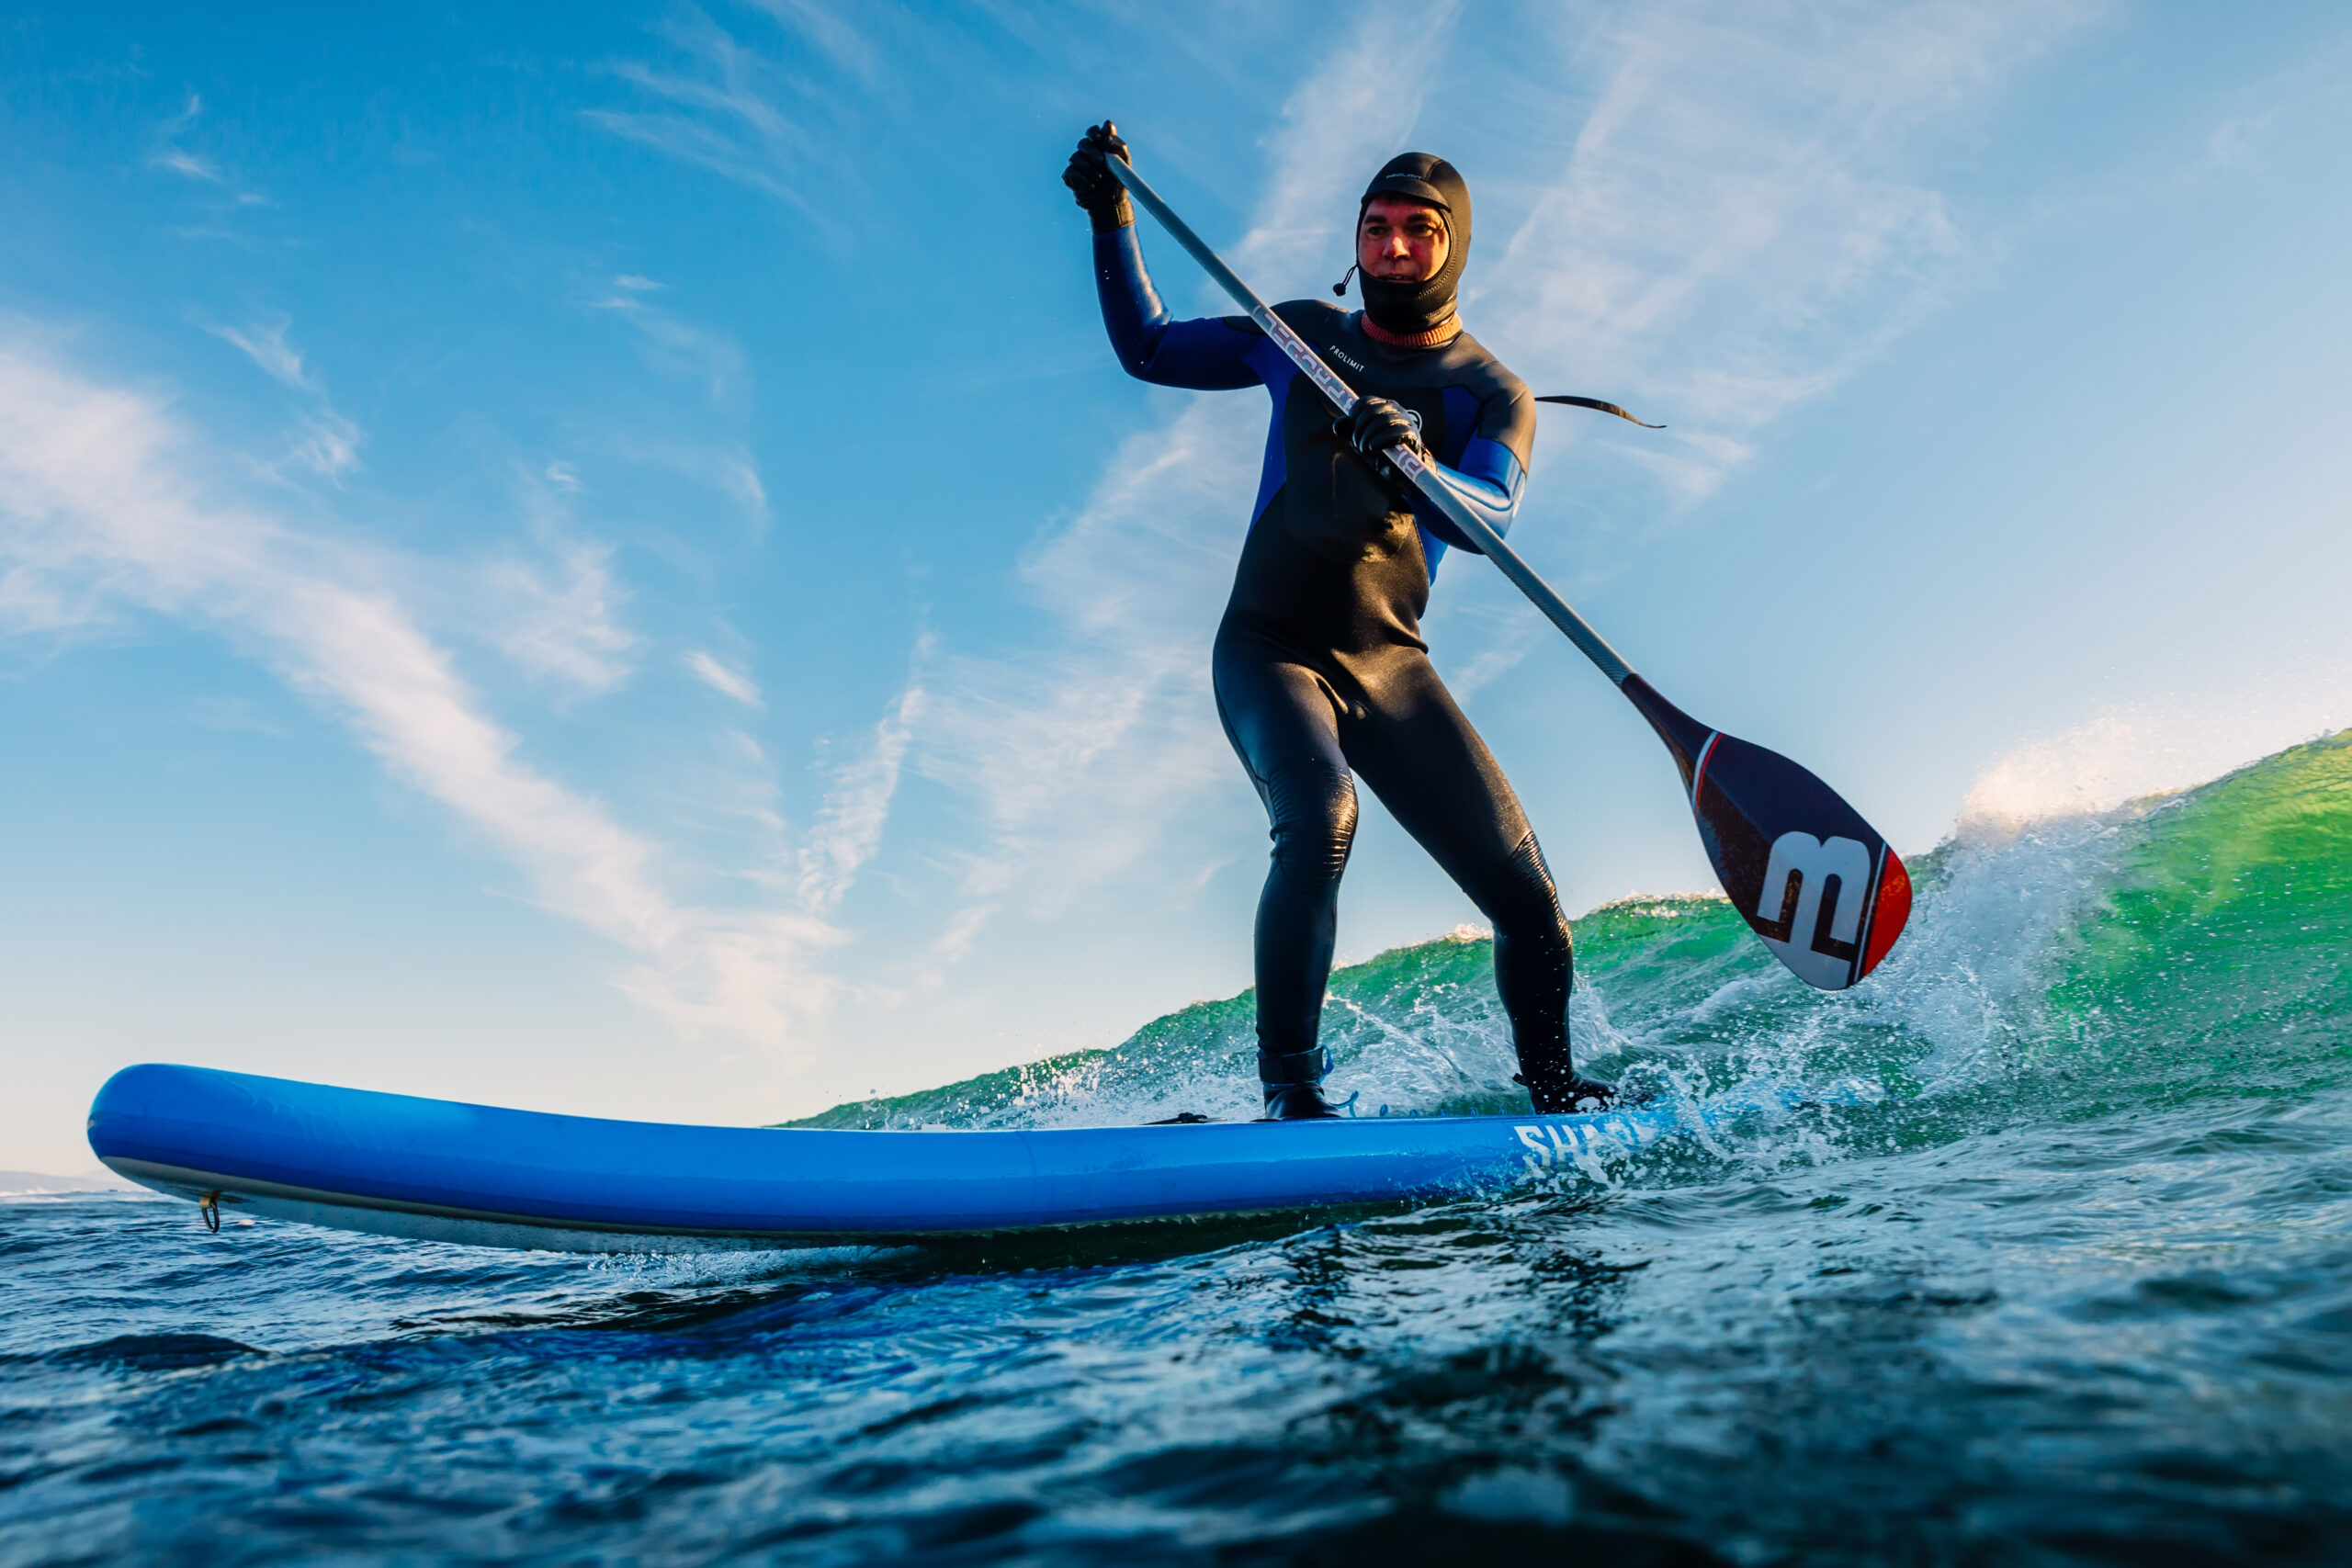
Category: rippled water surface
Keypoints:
(2078, 1289)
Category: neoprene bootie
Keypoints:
(1564, 1092)
(1293, 1084)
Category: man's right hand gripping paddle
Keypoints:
(1819, 885)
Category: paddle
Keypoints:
(1818, 883)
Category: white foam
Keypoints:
(1971, 973)
(2135, 750)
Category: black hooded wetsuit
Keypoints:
(1320, 670)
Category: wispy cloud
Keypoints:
(173, 158)
(821, 27)
(557, 617)
(1735, 228)
(711, 361)
(726, 682)
(264, 343)
(103, 501)
(730, 108)
(2236, 141)
(677, 347)
(325, 442)
(180, 161)
(848, 829)
(728, 469)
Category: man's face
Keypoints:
(1403, 240)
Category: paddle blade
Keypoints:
(1828, 894)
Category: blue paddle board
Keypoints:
(442, 1170)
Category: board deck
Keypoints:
(442, 1170)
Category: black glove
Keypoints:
(1089, 178)
(1377, 424)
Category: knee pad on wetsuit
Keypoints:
(1311, 811)
(1526, 901)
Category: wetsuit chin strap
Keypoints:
(1445, 332)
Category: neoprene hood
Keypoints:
(1408, 308)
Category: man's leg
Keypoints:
(1279, 715)
(1417, 749)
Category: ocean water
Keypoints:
(2076, 1289)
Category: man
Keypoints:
(1320, 670)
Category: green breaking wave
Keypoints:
(2224, 938)
(2192, 943)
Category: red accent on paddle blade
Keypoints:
(1893, 908)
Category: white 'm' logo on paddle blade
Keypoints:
(1814, 863)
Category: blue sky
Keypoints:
(595, 557)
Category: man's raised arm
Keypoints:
(1206, 355)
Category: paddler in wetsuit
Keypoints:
(1320, 671)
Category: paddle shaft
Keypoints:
(1420, 469)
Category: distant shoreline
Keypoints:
(34, 1184)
